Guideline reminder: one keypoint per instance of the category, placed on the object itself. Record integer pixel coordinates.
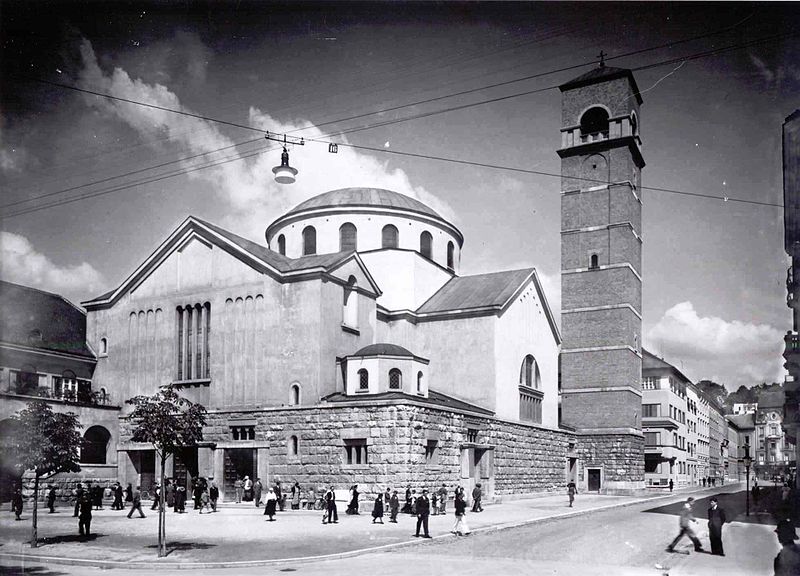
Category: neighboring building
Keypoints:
(774, 453)
(601, 276)
(717, 439)
(791, 211)
(740, 408)
(44, 355)
(665, 422)
(732, 450)
(349, 350)
(744, 425)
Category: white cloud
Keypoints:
(727, 352)
(246, 186)
(22, 264)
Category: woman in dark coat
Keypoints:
(377, 510)
(129, 493)
(716, 518)
(352, 508)
(407, 506)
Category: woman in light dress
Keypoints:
(460, 527)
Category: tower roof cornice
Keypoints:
(602, 74)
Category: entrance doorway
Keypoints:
(144, 461)
(477, 467)
(239, 462)
(593, 479)
(184, 467)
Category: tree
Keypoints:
(168, 422)
(47, 443)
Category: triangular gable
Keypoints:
(352, 265)
(533, 277)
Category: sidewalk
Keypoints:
(239, 536)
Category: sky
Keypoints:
(91, 185)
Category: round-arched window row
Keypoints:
(294, 394)
(309, 240)
(395, 379)
(348, 237)
(363, 380)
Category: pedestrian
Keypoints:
(704, 482)
(571, 491)
(716, 518)
(17, 503)
(756, 491)
(85, 516)
(137, 503)
(414, 502)
(460, 527)
(238, 486)
(671, 484)
(197, 492)
(434, 504)
(205, 500)
(352, 508)
(423, 511)
(257, 489)
(394, 507)
(476, 498)
(51, 499)
(685, 523)
(377, 510)
(443, 499)
(117, 505)
(787, 562)
(269, 508)
(78, 494)
(129, 493)
(213, 495)
(296, 495)
(407, 506)
(248, 489)
(156, 496)
(387, 498)
(331, 514)
(169, 494)
(180, 499)
(279, 495)
(97, 497)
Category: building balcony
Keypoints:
(79, 397)
(660, 422)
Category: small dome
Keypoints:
(364, 197)
(383, 349)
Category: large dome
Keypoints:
(363, 197)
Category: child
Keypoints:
(434, 505)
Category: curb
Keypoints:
(155, 564)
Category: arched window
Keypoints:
(294, 395)
(529, 373)
(395, 379)
(348, 237)
(363, 379)
(293, 446)
(451, 249)
(93, 447)
(390, 237)
(350, 303)
(309, 240)
(594, 122)
(282, 245)
(426, 244)
(593, 265)
(103, 346)
(419, 382)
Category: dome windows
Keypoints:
(348, 237)
(282, 245)
(426, 245)
(389, 236)
(309, 240)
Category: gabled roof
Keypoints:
(37, 319)
(253, 254)
(492, 291)
(602, 74)
(436, 399)
(652, 363)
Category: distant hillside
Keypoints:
(742, 395)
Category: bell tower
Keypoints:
(601, 276)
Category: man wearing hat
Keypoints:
(423, 511)
(716, 518)
(685, 523)
(787, 562)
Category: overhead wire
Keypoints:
(671, 61)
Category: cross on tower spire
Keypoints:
(602, 57)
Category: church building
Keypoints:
(348, 349)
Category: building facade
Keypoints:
(774, 453)
(348, 350)
(601, 282)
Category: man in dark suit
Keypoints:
(423, 511)
(85, 515)
(331, 514)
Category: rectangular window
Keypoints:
(651, 410)
(243, 432)
(472, 435)
(432, 452)
(652, 438)
(355, 451)
(530, 406)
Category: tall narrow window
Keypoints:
(529, 373)
(282, 245)
(294, 395)
(419, 382)
(103, 346)
(363, 380)
(348, 237)
(389, 236)
(451, 249)
(309, 240)
(395, 379)
(350, 303)
(294, 446)
(426, 244)
(593, 265)
(193, 350)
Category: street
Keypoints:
(623, 540)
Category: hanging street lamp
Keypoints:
(285, 174)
